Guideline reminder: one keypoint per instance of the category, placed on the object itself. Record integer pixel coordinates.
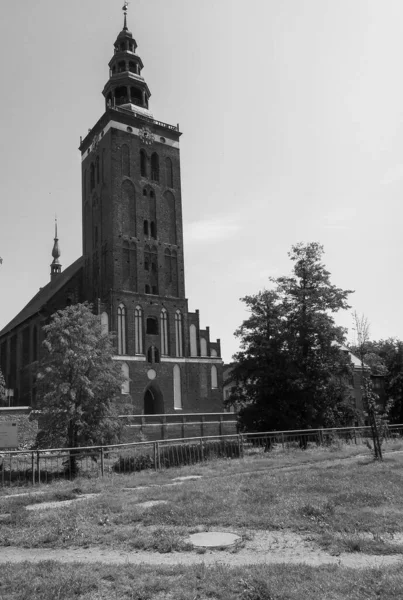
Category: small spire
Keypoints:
(125, 7)
(55, 267)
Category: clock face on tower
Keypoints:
(146, 135)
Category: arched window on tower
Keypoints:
(178, 333)
(122, 344)
(155, 167)
(177, 388)
(138, 330)
(214, 379)
(121, 66)
(143, 164)
(164, 332)
(126, 379)
(92, 176)
(169, 173)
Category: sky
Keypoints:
(292, 121)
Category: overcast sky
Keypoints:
(292, 121)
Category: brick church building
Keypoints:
(132, 268)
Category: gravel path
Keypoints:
(264, 548)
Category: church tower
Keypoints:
(133, 247)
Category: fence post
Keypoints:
(282, 440)
(202, 426)
(158, 457)
(321, 437)
(240, 445)
(155, 456)
(2, 471)
(164, 427)
(33, 467)
(102, 462)
(221, 425)
(201, 449)
(355, 436)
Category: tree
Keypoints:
(290, 372)
(3, 396)
(377, 415)
(77, 382)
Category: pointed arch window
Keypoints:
(169, 173)
(164, 332)
(122, 342)
(138, 330)
(155, 167)
(126, 381)
(203, 347)
(143, 163)
(214, 378)
(177, 388)
(153, 355)
(178, 333)
(193, 340)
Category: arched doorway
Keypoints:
(153, 401)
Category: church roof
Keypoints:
(44, 295)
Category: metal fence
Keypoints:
(45, 466)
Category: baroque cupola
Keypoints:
(126, 87)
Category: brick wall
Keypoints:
(27, 429)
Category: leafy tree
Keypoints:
(3, 398)
(77, 382)
(290, 371)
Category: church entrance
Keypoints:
(153, 401)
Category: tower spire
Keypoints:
(125, 7)
(55, 267)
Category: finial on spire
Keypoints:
(125, 7)
(55, 267)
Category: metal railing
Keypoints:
(45, 466)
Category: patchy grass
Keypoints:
(348, 504)
(50, 580)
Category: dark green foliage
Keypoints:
(3, 398)
(290, 372)
(178, 455)
(77, 383)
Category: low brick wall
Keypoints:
(27, 429)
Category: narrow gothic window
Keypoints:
(214, 381)
(145, 227)
(144, 192)
(178, 333)
(155, 167)
(138, 330)
(147, 289)
(203, 347)
(177, 388)
(213, 352)
(169, 173)
(154, 290)
(153, 230)
(126, 382)
(193, 340)
(143, 163)
(122, 346)
(153, 355)
(164, 332)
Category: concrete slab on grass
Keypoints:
(213, 539)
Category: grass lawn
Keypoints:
(50, 581)
(347, 504)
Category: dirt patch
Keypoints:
(260, 547)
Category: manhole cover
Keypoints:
(213, 539)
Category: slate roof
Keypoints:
(44, 295)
